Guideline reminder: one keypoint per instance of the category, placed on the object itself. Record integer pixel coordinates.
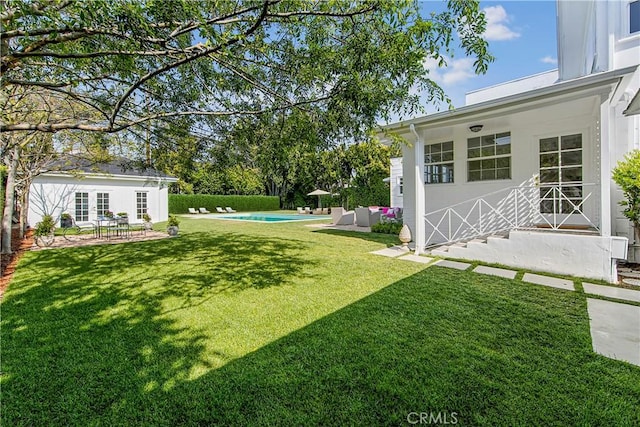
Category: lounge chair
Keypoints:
(300, 210)
(366, 218)
(307, 210)
(193, 211)
(220, 210)
(230, 210)
(204, 211)
(341, 217)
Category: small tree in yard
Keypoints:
(627, 175)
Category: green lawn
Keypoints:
(281, 324)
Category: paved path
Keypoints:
(614, 326)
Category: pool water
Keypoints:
(267, 217)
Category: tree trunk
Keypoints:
(7, 215)
(24, 211)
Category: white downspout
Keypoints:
(419, 235)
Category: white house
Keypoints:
(531, 159)
(90, 190)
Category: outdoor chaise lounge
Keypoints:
(229, 209)
(220, 210)
(341, 217)
(193, 211)
(366, 218)
(204, 211)
(300, 210)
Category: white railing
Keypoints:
(511, 208)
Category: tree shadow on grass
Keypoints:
(493, 351)
(94, 340)
(386, 239)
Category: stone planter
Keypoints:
(66, 223)
(172, 230)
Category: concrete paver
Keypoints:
(615, 330)
(611, 292)
(492, 271)
(417, 258)
(453, 264)
(553, 282)
(392, 252)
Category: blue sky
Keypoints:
(522, 37)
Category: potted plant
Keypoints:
(108, 214)
(66, 221)
(172, 225)
(147, 221)
(44, 231)
(627, 175)
(122, 217)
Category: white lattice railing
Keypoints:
(508, 209)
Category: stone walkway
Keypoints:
(614, 326)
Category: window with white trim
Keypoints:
(438, 163)
(489, 157)
(141, 204)
(82, 207)
(102, 203)
(560, 169)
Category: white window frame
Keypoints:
(439, 163)
(140, 211)
(100, 203)
(572, 189)
(81, 211)
(488, 153)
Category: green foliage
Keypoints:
(180, 203)
(65, 216)
(146, 217)
(122, 214)
(45, 227)
(627, 175)
(173, 221)
(389, 227)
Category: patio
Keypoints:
(88, 239)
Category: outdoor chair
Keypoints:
(341, 217)
(366, 218)
(300, 210)
(307, 210)
(220, 210)
(193, 211)
(229, 209)
(204, 211)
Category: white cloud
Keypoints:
(549, 60)
(456, 71)
(497, 20)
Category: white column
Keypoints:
(605, 136)
(419, 238)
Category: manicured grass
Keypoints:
(259, 324)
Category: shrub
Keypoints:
(387, 227)
(627, 175)
(146, 217)
(65, 216)
(180, 203)
(173, 221)
(122, 214)
(45, 226)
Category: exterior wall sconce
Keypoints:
(475, 128)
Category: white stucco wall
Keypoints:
(397, 198)
(55, 194)
(560, 253)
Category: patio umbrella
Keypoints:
(318, 193)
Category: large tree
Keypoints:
(131, 61)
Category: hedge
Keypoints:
(180, 203)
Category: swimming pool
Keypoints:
(269, 217)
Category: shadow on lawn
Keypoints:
(387, 239)
(489, 350)
(76, 352)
